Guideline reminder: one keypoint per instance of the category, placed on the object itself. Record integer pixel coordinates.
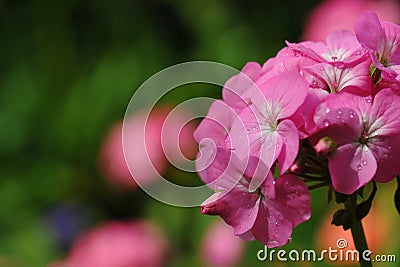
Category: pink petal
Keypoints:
(216, 124)
(225, 171)
(271, 228)
(237, 208)
(392, 32)
(260, 173)
(283, 95)
(293, 199)
(326, 76)
(251, 136)
(386, 150)
(304, 116)
(351, 167)
(386, 112)
(206, 155)
(248, 236)
(369, 31)
(288, 131)
(343, 125)
(238, 89)
(308, 50)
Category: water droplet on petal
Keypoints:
(247, 131)
(325, 123)
(272, 243)
(276, 223)
(364, 162)
(359, 167)
(339, 112)
(289, 239)
(368, 100)
(327, 110)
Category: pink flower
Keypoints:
(263, 129)
(267, 214)
(366, 133)
(353, 77)
(220, 248)
(118, 244)
(339, 47)
(112, 158)
(383, 42)
(332, 15)
(339, 64)
(145, 146)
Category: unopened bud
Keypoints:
(325, 146)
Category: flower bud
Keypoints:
(325, 146)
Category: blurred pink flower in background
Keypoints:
(145, 168)
(117, 244)
(334, 15)
(220, 248)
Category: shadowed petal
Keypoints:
(351, 167)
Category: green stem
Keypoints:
(357, 231)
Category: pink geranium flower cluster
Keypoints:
(317, 114)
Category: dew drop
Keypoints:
(289, 239)
(277, 145)
(325, 123)
(254, 128)
(368, 100)
(247, 131)
(359, 167)
(339, 112)
(276, 223)
(272, 243)
(273, 182)
(327, 110)
(364, 162)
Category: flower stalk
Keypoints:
(357, 231)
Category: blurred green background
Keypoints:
(68, 69)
